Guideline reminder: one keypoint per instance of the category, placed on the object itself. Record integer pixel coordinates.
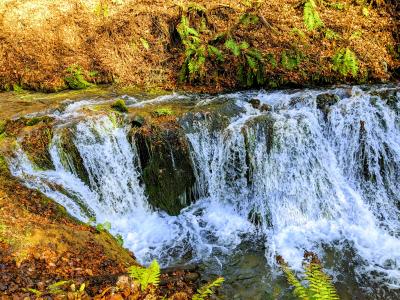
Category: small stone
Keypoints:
(265, 107)
(255, 103)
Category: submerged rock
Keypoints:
(167, 170)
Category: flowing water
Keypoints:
(291, 179)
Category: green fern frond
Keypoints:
(233, 46)
(208, 290)
(146, 276)
(345, 62)
(318, 285)
(311, 17)
(216, 52)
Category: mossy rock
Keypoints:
(119, 105)
(215, 116)
(36, 143)
(325, 101)
(166, 166)
(70, 156)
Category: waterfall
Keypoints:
(294, 176)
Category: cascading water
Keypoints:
(295, 178)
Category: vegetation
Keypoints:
(164, 111)
(146, 276)
(316, 284)
(345, 62)
(312, 19)
(183, 46)
(119, 105)
(75, 78)
(208, 290)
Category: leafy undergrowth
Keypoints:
(139, 283)
(201, 45)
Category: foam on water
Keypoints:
(296, 178)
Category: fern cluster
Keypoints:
(345, 62)
(317, 285)
(311, 17)
(200, 47)
(146, 276)
(251, 68)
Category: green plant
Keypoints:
(163, 111)
(17, 88)
(119, 105)
(59, 289)
(249, 19)
(146, 276)
(106, 226)
(195, 52)
(251, 67)
(331, 35)
(120, 239)
(291, 61)
(316, 286)
(75, 78)
(337, 5)
(3, 124)
(208, 290)
(102, 9)
(145, 43)
(311, 17)
(345, 62)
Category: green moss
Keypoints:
(164, 111)
(2, 126)
(167, 171)
(36, 120)
(75, 78)
(119, 105)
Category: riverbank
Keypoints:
(209, 46)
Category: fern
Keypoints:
(146, 276)
(75, 78)
(311, 17)
(233, 46)
(207, 290)
(318, 285)
(345, 62)
(290, 61)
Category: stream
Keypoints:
(287, 175)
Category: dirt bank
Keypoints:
(50, 45)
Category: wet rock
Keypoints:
(137, 121)
(215, 116)
(70, 156)
(167, 170)
(325, 101)
(35, 144)
(266, 107)
(389, 96)
(255, 103)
